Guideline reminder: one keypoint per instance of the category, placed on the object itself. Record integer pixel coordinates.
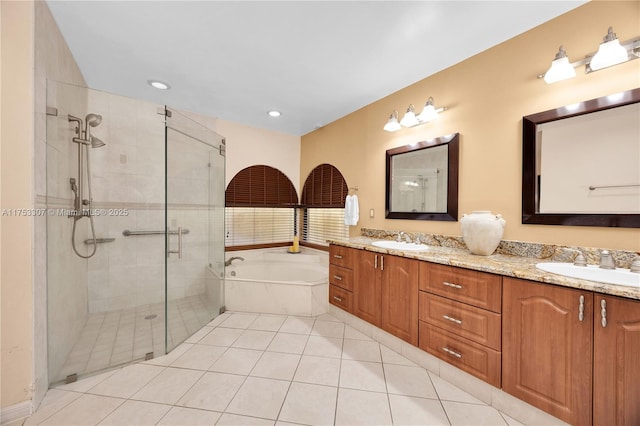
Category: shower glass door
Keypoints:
(194, 223)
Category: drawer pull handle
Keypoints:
(339, 299)
(337, 277)
(603, 312)
(452, 285)
(337, 256)
(375, 262)
(581, 308)
(447, 317)
(454, 353)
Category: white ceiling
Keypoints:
(315, 61)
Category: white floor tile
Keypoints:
(328, 329)
(221, 336)
(362, 408)
(236, 361)
(408, 410)
(53, 402)
(288, 343)
(86, 410)
(254, 339)
(361, 350)
(462, 414)
(259, 398)
(324, 346)
(448, 392)
(127, 381)
(297, 325)
(195, 337)
(352, 333)
(168, 386)
(309, 404)
(268, 323)
(327, 317)
(409, 381)
(242, 321)
(510, 421)
(87, 383)
(362, 375)
(318, 370)
(219, 319)
(180, 416)
(237, 420)
(136, 413)
(392, 357)
(274, 365)
(213, 391)
(199, 357)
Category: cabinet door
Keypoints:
(366, 287)
(547, 347)
(616, 371)
(400, 297)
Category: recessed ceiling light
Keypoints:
(274, 113)
(158, 84)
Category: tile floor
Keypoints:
(254, 369)
(111, 339)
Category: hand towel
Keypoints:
(351, 210)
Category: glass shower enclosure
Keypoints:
(135, 227)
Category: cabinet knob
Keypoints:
(603, 313)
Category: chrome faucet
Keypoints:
(402, 234)
(231, 259)
(606, 260)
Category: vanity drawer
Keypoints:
(341, 298)
(475, 359)
(342, 256)
(475, 288)
(479, 325)
(341, 277)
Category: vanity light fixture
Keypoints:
(560, 69)
(410, 119)
(392, 124)
(611, 52)
(159, 84)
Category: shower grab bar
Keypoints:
(128, 233)
(99, 240)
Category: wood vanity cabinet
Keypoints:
(341, 262)
(460, 319)
(547, 347)
(385, 293)
(616, 358)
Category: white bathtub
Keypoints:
(272, 281)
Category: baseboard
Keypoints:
(15, 412)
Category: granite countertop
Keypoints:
(512, 266)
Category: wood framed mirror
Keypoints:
(581, 163)
(422, 180)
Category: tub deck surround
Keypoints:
(512, 259)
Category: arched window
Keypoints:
(260, 209)
(323, 199)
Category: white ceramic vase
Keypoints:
(482, 231)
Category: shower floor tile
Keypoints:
(116, 338)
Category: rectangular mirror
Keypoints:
(422, 180)
(581, 163)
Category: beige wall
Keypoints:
(16, 86)
(487, 95)
(248, 146)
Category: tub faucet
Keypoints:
(606, 260)
(231, 259)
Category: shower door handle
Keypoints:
(179, 251)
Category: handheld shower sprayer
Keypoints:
(84, 139)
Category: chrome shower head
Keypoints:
(96, 143)
(93, 119)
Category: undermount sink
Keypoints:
(592, 273)
(401, 246)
